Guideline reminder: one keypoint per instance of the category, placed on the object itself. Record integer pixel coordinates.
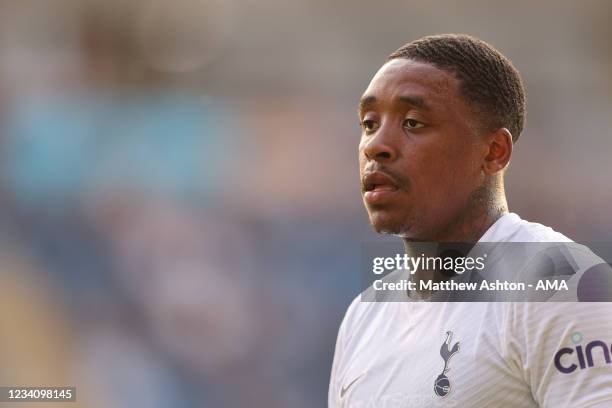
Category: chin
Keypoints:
(386, 224)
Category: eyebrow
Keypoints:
(416, 101)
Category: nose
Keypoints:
(380, 146)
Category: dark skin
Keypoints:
(430, 169)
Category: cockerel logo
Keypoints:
(442, 385)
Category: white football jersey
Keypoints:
(445, 354)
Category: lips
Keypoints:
(378, 187)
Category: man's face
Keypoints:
(420, 158)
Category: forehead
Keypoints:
(405, 79)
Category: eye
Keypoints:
(412, 124)
(369, 126)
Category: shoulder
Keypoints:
(359, 311)
(535, 232)
(512, 228)
(530, 251)
(363, 317)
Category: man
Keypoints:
(439, 121)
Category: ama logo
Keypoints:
(442, 385)
(566, 358)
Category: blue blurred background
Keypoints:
(181, 218)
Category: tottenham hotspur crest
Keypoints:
(442, 385)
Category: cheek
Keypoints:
(463, 179)
(444, 172)
(429, 168)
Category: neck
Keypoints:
(485, 206)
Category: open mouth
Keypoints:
(378, 181)
(378, 187)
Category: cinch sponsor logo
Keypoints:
(585, 357)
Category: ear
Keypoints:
(499, 145)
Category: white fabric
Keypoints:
(389, 354)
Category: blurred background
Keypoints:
(180, 210)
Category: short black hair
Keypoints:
(488, 80)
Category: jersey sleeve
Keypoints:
(333, 397)
(563, 351)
